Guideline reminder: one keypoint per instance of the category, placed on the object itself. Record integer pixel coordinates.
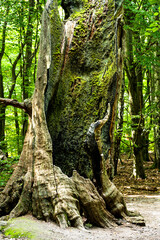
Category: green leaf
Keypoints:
(156, 14)
(147, 33)
(154, 1)
(155, 29)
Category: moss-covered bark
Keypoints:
(89, 79)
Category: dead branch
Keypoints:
(26, 105)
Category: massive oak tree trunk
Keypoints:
(79, 60)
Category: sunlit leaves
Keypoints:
(155, 25)
(17, 25)
(154, 1)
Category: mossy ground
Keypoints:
(20, 227)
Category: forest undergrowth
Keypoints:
(128, 185)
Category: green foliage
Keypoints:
(19, 73)
(59, 2)
(154, 1)
(154, 27)
(142, 19)
(142, 22)
(6, 169)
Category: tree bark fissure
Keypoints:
(112, 197)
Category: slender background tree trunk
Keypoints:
(135, 77)
(157, 117)
(2, 108)
(119, 129)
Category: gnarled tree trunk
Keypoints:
(84, 51)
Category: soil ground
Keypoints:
(140, 195)
(129, 186)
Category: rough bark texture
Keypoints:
(113, 198)
(36, 185)
(84, 81)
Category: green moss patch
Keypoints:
(29, 227)
(20, 227)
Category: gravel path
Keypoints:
(148, 206)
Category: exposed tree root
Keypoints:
(113, 198)
(10, 197)
(61, 200)
(92, 203)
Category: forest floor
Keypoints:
(140, 195)
(126, 183)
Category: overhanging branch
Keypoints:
(26, 105)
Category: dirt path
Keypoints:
(148, 206)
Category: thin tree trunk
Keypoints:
(119, 129)
(28, 53)
(2, 108)
(135, 77)
(157, 117)
(2, 114)
(16, 117)
(27, 60)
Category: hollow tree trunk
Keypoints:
(85, 81)
(36, 185)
